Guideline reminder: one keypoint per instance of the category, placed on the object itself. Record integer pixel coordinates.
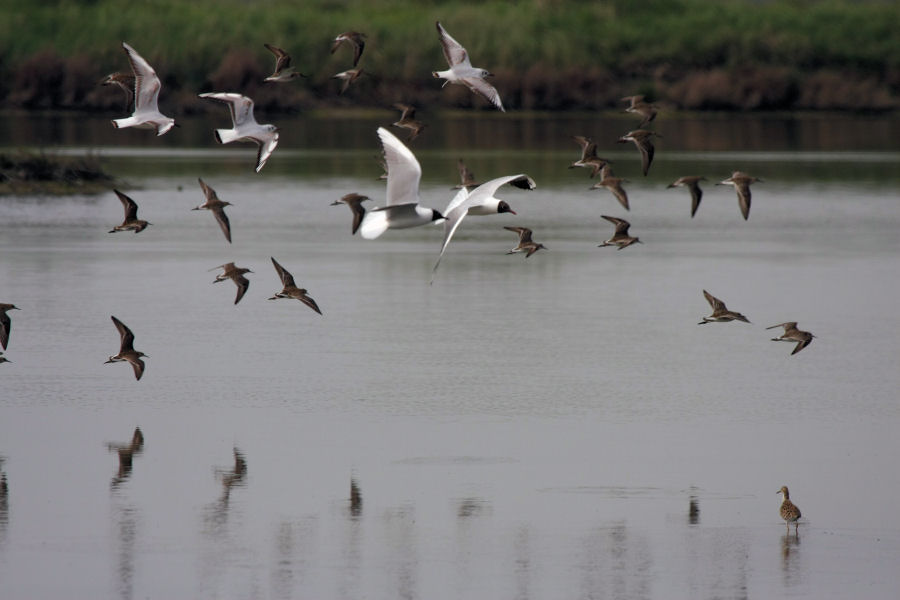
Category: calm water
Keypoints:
(556, 427)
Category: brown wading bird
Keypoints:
(348, 77)
(620, 238)
(613, 184)
(236, 274)
(408, 121)
(5, 323)
(283, 69)
(131, 222)
(792, 334)
(720, 313)
(741, 182)
(788, 511)
(351, 38)
(354, 201)
(292, 291)
(217, 207)
(466, 177)
(646, 110)
(125, 82)
(525, 244)
(589, 158)
(641, 139)
(692, 182)
(127, 353)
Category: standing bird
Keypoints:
(720, 313)
(131, 222)
(402, 210)
(217, 207)
(352, 38)
(613, 184)
(589, 158)
(354, 201)
(620, 238)
(125, 82)
(741, 182)
(792, 334)
(127, 353)
(348, 76)
(5, 323)
(788, 511)
(480, 201)
(692, 182)
(646, 110)
(462, 72)
(642, 139)
(466, 177)
(245, 128)
(408, 120)
(146, 113)
(283, 69)
(525, 245)
(236, 274)
(289, 290)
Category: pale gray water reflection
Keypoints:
(552, 427)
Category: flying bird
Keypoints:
(792, 334)
(131, 222)
(236, 274)
(642, 139)
(613, 184)
(720, 313)
(283, 69)
(589, 158)
(217, 207)
(290, 290)
(146, 113)
(741, 182)
(692, 182)
(525, 244)
(125, 82)
(5, 323)
(354, 201)
(620, 238)
(466, 177)
(461, 70)
(351, 38)
(637, 106)
(408, 121)
(480, 201)
(348, 77)
(127, 353)
(402, 208)
(245, 128)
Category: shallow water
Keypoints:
(551, 427)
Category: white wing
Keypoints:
(404, 171)
(461, 203)
(453, 50)
(266, 148)
(373, 224)
(146, 82)
(480, 86)
(241, 107)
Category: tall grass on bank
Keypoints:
(545, 53)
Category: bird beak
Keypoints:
(335, 203)
(107, 362)
(513, 212)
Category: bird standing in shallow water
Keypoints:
(788, 511)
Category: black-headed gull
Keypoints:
(461, 70)
(402, 208)
(146, 113)
(245, 129)
(480, 201)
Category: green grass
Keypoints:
(185, 41)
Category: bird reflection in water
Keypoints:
(234, 477)
(126, 453)
(693, 508)
(4, 503)
(355, 499)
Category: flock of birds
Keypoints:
(402, 207)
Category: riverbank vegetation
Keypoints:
(24, 173)
(545, 54)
